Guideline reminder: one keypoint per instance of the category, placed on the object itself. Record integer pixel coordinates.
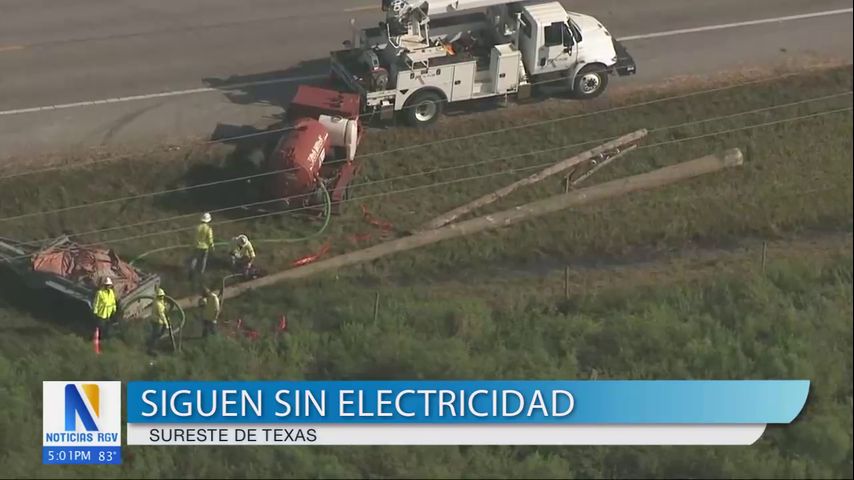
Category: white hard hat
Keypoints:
(206, 217)
(241, 239)
(108, 281)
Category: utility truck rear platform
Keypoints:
(412, 64)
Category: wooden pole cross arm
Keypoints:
(563, 165)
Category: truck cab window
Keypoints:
(568, 37)
(526, 26)
(554, 34)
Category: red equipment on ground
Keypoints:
(319, 146)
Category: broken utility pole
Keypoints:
(611, 149)
(656, 178)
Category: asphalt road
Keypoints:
(163, 65)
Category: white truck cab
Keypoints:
(429, 53)
(554, 41)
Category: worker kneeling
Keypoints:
(242, 255)
(211, 310)
(160, 320)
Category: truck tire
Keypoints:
(590, 81)
(423, 109)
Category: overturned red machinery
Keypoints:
(319, 147)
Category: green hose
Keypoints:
(182, 315)
(327, 212)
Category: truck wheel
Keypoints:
(590, 82)
(423, 109)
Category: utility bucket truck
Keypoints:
(429, 53)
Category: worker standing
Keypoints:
(211, 311)
(104, 306)
(204, 244)
(160, 320)
(242, 254)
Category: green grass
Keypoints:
(707, 318)
(798, 176)
(792, 322)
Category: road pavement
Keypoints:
(76, 75)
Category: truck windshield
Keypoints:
(576, 32)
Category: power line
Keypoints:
(273, 172)
(475, 177)
(464, 137)
(473, 164)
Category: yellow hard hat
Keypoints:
(160, 292)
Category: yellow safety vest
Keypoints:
(246, 251)
(160, 313)
(212, 307)
(105, 303)
(204, 237)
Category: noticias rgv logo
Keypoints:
(76, 408)
(80, 418)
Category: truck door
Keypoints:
(558, 51)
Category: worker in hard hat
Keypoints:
(211, 309)
(242, 254)
(160, 319)
(104, 306)
(203, 245)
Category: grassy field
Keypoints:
(798, 176)
(730, 322)
(664, 284)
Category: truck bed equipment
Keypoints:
(413, 64)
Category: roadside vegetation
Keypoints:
(734, 322)
(797, 176)
(492, 305)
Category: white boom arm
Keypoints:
(407, 11)
(448, 6)
(407, 21)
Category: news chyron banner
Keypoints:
(459, 412)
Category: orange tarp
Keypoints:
(87, 266)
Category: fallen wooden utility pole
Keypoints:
(611, 148)
(653, 179)
(599, 166)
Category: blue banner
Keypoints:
(469, 402)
